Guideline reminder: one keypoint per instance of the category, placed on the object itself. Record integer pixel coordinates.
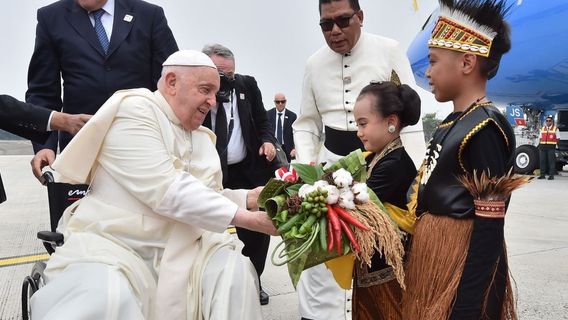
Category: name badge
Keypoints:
(128, 18)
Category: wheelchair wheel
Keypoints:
(30, 285)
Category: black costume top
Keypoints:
(479, 138)
(390, 179)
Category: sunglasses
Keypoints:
(341, 22)
(280, 101)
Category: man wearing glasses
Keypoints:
(547, 148)
(281, 120)
(326, 128)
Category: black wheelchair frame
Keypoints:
(60, 196)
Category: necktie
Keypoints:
(100, 30)
(279, 128)
(221, 132)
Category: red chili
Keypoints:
(349, 219)
(330, 237)
(334, 219)
(350, 235)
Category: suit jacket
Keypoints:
(67, 47)
(25, 120)
(289, 118)
(254, 125)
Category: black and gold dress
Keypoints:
(376, 293)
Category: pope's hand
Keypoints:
(44, 157)
(254, 220)
(264, 223)
(252, 198)
(267, 149)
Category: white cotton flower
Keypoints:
(363, 197)
(305, 190)
(359, 187)
(332, 194)
(347, 204)
(321, 184)
(361, 193)
(346, 194)
(346, 198)
(342, 178)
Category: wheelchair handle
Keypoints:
(47, 177)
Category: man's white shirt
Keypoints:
(236, 149)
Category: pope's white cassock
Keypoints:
(332, 83)
(149, 240)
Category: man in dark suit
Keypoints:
(97, 47)
(281, 120)
(245, 143)
(34, 123)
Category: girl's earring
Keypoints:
(391, 128)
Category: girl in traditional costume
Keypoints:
(381, 111)
(457, 265)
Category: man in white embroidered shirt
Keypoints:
(149, 241)
(334, 76)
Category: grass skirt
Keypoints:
(377, 302)
(435, 264)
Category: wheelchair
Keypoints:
(60, 196)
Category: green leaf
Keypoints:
(293, 189)
(271, 189)
(308, 174)
(354, 163)
(275, 205)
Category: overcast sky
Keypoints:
(271, 39)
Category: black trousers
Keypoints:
(547, 154)
(255, 243)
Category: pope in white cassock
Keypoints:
(326, 129)
(149, 240)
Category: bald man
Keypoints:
(281, 120)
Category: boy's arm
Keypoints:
(487, 150)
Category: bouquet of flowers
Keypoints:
(325, 213)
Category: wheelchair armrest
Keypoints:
(55, 238)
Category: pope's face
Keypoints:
(195, 95)
(91, 5)
(341, 40)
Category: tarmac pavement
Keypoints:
(536, 234)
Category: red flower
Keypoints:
(285, 175)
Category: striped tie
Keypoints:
(100, 30)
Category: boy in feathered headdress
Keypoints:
(457, 267)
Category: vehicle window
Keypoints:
(562, 120)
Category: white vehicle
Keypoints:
(527, 122)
